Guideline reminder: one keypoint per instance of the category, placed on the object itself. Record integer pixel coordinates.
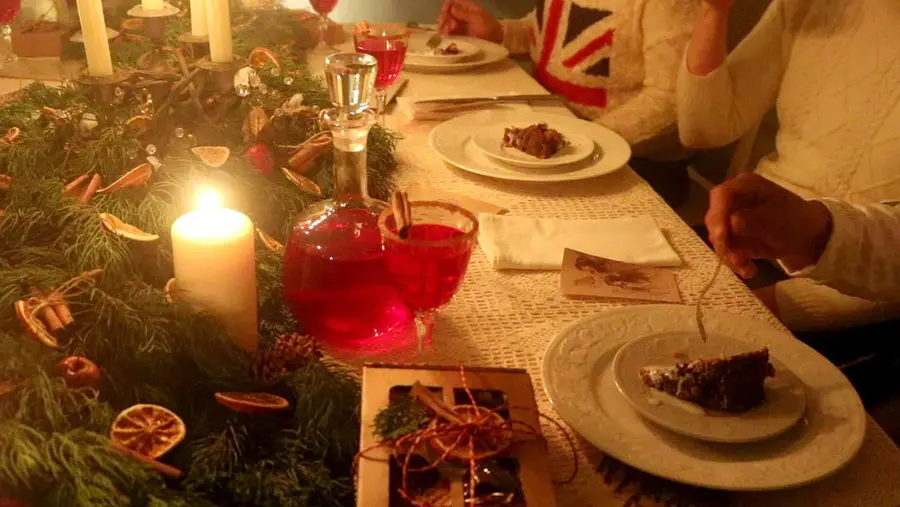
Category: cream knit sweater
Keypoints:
(615, 60)
(831, 68)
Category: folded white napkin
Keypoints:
(418, 111)
(512, 242)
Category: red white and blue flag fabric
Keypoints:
(571, 49)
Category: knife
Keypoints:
(497, 98)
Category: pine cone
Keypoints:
(288, 354)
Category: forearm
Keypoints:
(722, 98)
(645, 116)
(708, 47)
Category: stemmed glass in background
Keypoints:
(387, 43)
(428, 265)
(8, 11)
(323, 8)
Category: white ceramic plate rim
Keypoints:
(614, 151)
(489, 140)
(655, 453)
(757, 424)
(490, 53)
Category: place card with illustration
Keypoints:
(586, 275)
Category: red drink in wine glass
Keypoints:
(428, 263)
(387, 43)
(390, 55)
(323, 7)
(427, 277)
(8, 10)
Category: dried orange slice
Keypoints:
(139, 125)
(260, 56)
(213, 156)
(150, 430)
(252, 403)
(302, 182)
(33, 326)
(270, 242)
(115, 225)
(11, 135)
(134, 177)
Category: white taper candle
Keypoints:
(96, 44)
(199, 20)
(218, 18)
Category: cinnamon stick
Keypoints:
(162, 468)
(72, 187)
(91, 188)
(48, 315)
(402, 213)
(62, 309)
(437, 405)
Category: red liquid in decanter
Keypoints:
(336, 280)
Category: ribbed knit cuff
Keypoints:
(823, 270)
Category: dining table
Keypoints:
(508, 318)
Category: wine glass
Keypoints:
(387, 43)
(323, 8)
(428, 260)
(8, 11)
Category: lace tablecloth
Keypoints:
(508, 318)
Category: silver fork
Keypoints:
(434, 41)
(706, 289)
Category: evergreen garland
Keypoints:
(54, 446)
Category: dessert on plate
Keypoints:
(537, 140)
(730, 384)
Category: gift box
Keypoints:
(508, 455)
(38, 39)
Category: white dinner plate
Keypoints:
(489, 139)
(488, 53)
(579, 381)
(420, 53)
(785, 396)
(452, 140)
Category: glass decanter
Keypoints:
(335, 276)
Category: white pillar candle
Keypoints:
(218, 19)
(96, 45)
(152, 5)
(198, 18)
(215, 267)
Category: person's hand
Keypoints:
(751, 217)
(465, 17)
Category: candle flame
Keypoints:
(208, 199)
